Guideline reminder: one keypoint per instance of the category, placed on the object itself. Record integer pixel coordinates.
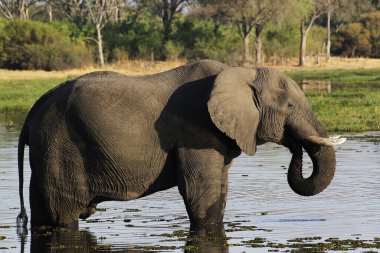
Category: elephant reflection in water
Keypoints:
(74, 241)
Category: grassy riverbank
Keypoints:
(340, 76)
(354, 106)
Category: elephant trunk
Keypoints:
(322, 154)
(323, 158)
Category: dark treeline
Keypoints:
(57, 34)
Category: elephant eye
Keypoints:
(290, 104)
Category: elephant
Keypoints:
(107, 136)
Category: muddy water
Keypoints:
(262, 212)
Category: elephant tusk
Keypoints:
(336, 140)
(331, 141)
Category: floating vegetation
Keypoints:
(157, 247)
(313, 244)
(102, 247)
(131, 210)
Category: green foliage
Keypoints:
(200, 41)
(76, 30)
(372, 24)
(35, 45)
(352, 40)
(359, 39)
(190, 39)
(282, 40)
(139, 38)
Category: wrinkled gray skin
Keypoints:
(106, 136)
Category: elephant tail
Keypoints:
(22, 218)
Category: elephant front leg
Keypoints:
(202, 182)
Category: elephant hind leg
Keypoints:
(39, 213)
(47, 212)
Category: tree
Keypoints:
(353, 40)
(314, 9)
(8, 8)
(331, 6)
(166, 10)
(99, 13)
(16, 8)
(264, 12)
(250, 15)
(213, 9)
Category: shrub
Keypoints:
(35, 45)
(199, 41)
(352, 40)
(138, 38)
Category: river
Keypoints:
(262, 213)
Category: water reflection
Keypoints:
(326, 86)
(82, 241)
(315, 86)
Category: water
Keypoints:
(260, 205)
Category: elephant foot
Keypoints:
(90, 210)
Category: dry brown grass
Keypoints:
(335, 63)
(132, 68)
(135, 68)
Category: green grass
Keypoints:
(346, 76)
(348, 111)
(353, 105)
(20, 95)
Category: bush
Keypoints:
(35, 45)
(199, 41)
(372, 24)
(283, 41)
(352, 40)
(139, 38)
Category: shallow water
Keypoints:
(262, 212)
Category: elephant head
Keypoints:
(254, 106)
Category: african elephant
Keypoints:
(107, 136)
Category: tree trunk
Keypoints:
(258, 45)
(216, 25)
(302, 60)
(328, 42)
(246, 48)
(100, 44)
(166, 21)
(49, 10)
(23, 9)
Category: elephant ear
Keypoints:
(232, 108)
